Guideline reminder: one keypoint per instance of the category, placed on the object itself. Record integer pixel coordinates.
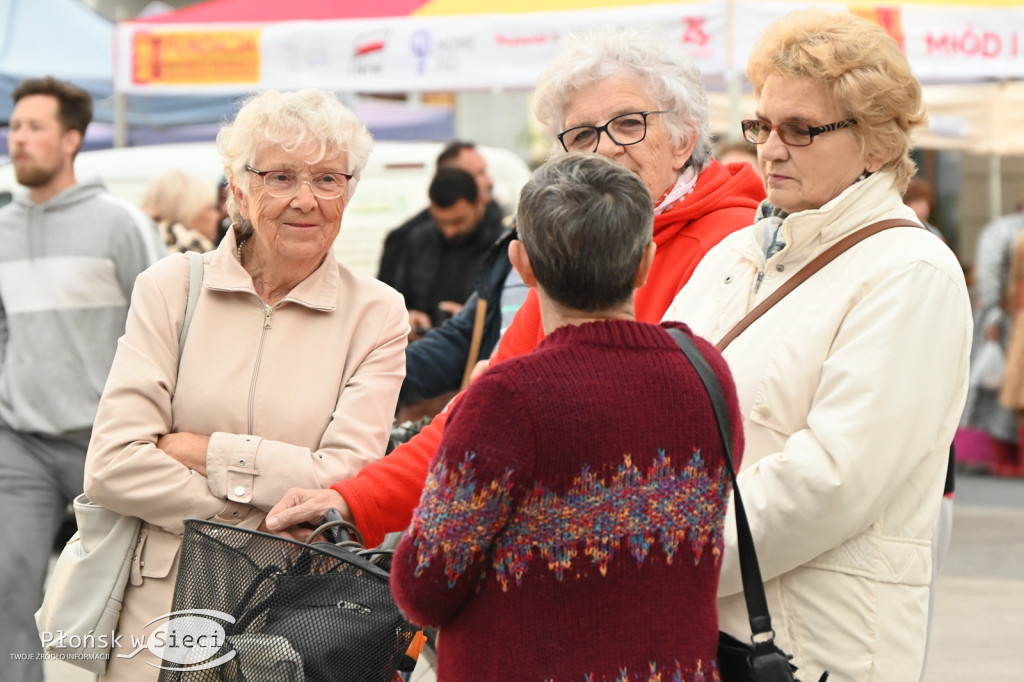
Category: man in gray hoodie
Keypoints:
(69, 255)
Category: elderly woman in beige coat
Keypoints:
(290, 372)
(851, 387)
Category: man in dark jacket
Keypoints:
(456, 154)
(441, 258)
(436, 364)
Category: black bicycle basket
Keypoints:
(302, 612)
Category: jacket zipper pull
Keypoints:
(266, 316)
(757, 282)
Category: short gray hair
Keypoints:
(585, 222)
(664, 70)
(289, 121)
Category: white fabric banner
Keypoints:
(944, 43)
(950, 43)
(471, 52)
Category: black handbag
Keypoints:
(320, 612)
(761, 660)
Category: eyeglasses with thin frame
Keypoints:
(791, 133)
(285, 183)
(623, 130)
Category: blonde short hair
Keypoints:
(863, 70)
(178, 197)
(290, 121)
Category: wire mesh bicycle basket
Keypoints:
(290, 612)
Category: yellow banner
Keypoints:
(196, 57)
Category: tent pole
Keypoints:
(734, 107)
(732, 77)
(120, 119)
(995, 187)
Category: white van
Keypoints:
(393, 186)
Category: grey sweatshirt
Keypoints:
(67, 267)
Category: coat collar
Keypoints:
(807, 233)
(319, 291)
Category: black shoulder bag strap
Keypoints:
(769, 663)
(753, 585)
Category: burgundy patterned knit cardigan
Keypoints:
(571, 525)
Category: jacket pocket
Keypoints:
(881, 558)
(785, 389)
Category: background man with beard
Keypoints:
(442, 256)
(435, 364)
(456, 154)
(69, 255)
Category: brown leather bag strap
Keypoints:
(808, 270)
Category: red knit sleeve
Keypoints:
(471, 491)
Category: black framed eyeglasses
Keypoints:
(623, 130)
(285, 183)
(792, 134)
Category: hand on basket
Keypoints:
(304, 506)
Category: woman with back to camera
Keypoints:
(620, 527)
(851, 386)
(637, 99)
(292, 365)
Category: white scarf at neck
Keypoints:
(684, 185)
